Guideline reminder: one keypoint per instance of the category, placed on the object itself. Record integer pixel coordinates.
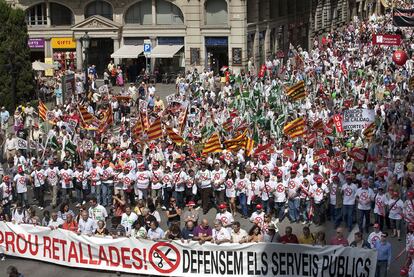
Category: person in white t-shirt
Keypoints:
(128, 219)
(380, 202)
(364, 195)
(349, 190)
(395, 207)
(20, 181)
(225, 217)
(97, 212)
(220, 234)
(374, 236)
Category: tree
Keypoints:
(14, 58)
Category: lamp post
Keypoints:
(85, 44)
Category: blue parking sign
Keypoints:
(147, 48)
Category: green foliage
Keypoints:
(14, 53)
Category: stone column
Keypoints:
(79, 55)
(256, 51)
(154, 12)
(267, 46)
(49, 22)
(48, 48)
(116, 47)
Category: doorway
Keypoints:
(100, 53)
(217, 53)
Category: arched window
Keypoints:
(139, 13)
(60, 15)
(216, 12)
(99, 8)
(36, 15)
(168, 13)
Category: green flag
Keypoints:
(54, 142)
(70, 147)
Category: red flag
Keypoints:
(338, 123)
(155, 130)
(358, 154)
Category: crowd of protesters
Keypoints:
(124, 184)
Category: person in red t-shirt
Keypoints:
(289, 237)
(70, 224)
(339, 239)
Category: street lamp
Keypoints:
(85, 44)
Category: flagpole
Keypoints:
(47, 141)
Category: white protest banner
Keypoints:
(21, 143)
(178, 258)
(357, 119)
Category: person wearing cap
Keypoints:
(348, 190)
(319, 193)
(225, 217)
(191, 214)
(409, 206)
(6, 193)
(52, 175)
(374, 236)
(81, 185)
(293, 184)
(364, 196)
(380, 202)
(257, 216)
(280, 196)
(395, 209)
(107, 182)
(37, 178)
(203, 180)
(20, 181)
(271, 233)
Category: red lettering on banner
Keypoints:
(55, 249)
(82, 260)
(1, 237)
(63, 242)
(125, 257)
(136, 253)
(35, 244)
(46, 247)
(102, 256)
(10, 241)
(113, 249)
(21, 238)
(72, 253)
(91, 260)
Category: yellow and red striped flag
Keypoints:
(183, 120)
(107, 120)
(213, 144)
(233, 143)
(292, 126)
(249, 146)
(370, 131)
(137, 128)
(177, 139)
(155, 130)
(85, 115)
(297, 91)
(42, 110)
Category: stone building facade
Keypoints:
(184, 33)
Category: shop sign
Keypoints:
(36, 43)
(63, 43)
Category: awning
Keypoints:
(165, 51)
(128, 52)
